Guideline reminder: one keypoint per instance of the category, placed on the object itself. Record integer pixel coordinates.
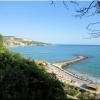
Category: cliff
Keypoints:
(12, 41)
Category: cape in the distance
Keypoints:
(12, 41)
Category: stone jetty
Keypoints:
(72, 61)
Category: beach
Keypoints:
(72, 78)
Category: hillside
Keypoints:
(12, 41)
(22, 79)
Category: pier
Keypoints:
(72, 61)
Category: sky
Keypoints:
(40, 21)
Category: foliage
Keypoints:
(22, 79)
(1, 43)
(83, 94)
(71, 90)
(87, 96)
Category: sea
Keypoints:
(89, 68)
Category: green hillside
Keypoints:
(22, 79)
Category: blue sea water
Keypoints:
(56, 53)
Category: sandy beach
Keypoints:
(69, 77)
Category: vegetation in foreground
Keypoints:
(79, 93)
(22, 79)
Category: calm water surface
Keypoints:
(55, 53)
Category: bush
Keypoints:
(87, 96)
(71, 90)
(21, 78)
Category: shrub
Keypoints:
(21, 78)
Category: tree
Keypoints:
(90, 9)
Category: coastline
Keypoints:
(15, 46)
(88, 76)
(72, 78)
(73, 73)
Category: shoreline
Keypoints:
(72, 78)
(74, 74)
(97, 80)
(71, 74)
(15, 46)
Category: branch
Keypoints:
(85, 10)
(65, 5)
(91, 9)
(91, 24)
(95, 33)
(75, 2)
(52, 3)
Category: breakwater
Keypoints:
(72, 61)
